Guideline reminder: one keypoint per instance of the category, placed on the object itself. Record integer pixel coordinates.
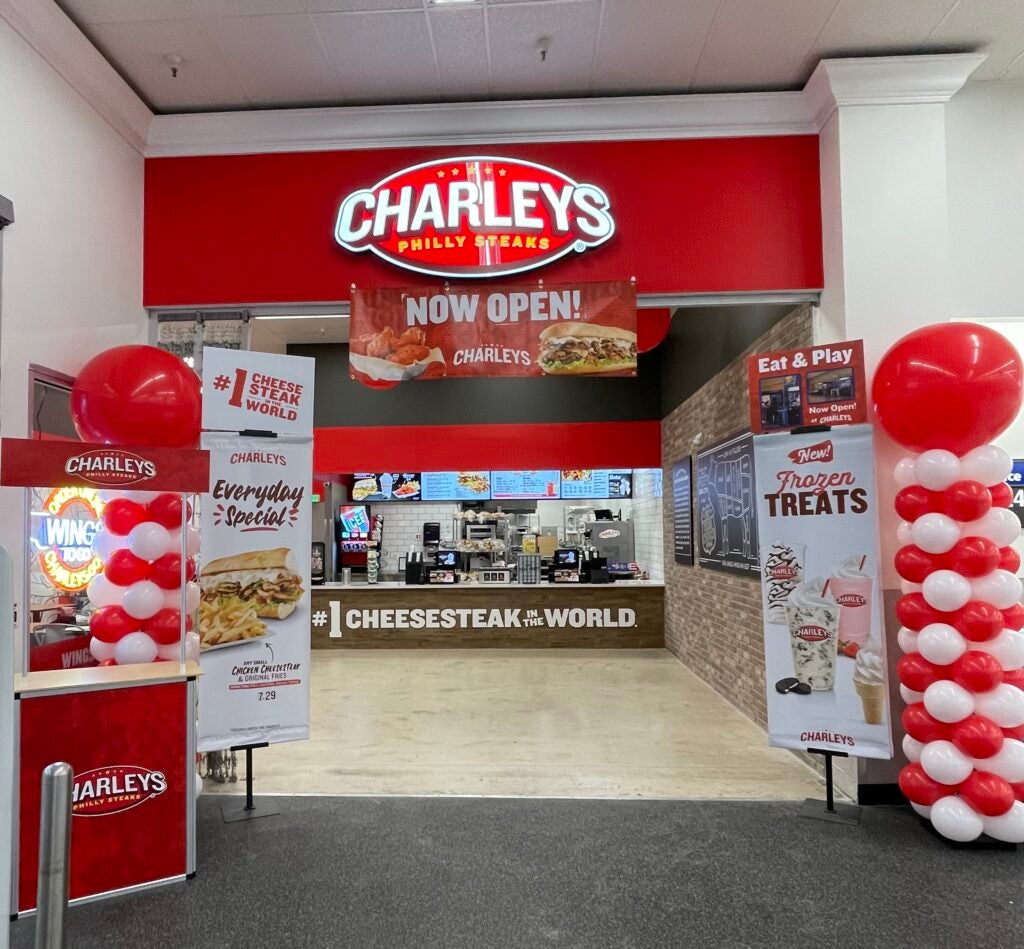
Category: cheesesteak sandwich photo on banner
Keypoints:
(824, 641)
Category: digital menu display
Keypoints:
(511, 485)
(386, 486)
(456, 486)
(597, 483)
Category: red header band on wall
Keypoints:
(492, 447)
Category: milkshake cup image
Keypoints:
(851, 586)
(813, 618)
(869, 681)
(782, 573)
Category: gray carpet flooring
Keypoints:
(436, 873)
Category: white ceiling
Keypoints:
(249, 54)
(274, 335)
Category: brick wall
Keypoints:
(713, 619)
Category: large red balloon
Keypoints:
(165, 626)
(977, 671)
(124, 568)
(919, 788)
(166, 572)
(950, 385)
(967, 500)
(918, 723)
(121, 515)
(987, 793)
(976, 736)
(137, 395)
(914, 564)
(978, 621)
(166, 509)
(915, 501)
(110, 623)
(973, 556)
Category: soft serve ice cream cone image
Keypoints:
(812, 615)
(869, 681)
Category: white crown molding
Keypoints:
(886, 80)
(47, 29)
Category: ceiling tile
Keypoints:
(360, 6)
(85, 12)
(995, 27)
(296, 71)
(461, 45)
(212, 8)
(654, 52)
(380, 56)
(760, 44)
(516, 66)
(203, 81)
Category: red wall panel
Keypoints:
(712, 215)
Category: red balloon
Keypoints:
(918, 673)
(1013, 618)
(121, 515)
(949, 385)
(165, 626)
(1018, 790)
(977, 671)
(1015, 732)
(1001, 494)
(914, 501)
(978, 621)
(919, 724)
(110, 623)
(166, 572)
(987, 793)
(973, 556)
(919, 788)
(1014, 677)
(966, 500)
(166, 509)
(976, 736)
(124, 568)
(913, 611)
(1009, 559)
(137, 395)
(914, 564)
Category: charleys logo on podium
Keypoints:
(474, 217)
(114, 788)
(110, 467)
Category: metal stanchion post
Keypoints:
(54, 852)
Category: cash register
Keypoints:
(565, 566)
(445, 568)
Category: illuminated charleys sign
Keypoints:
(63, 534)
(474, 217)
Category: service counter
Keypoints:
(625, 615)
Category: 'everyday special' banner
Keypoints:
(511, 330)
(817, 514)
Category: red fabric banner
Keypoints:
(498, 330)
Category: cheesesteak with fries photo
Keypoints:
(266, 579)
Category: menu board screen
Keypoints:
(456, 486)
(386, 486)
(597, 483)
(511, 485)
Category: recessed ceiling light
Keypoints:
(445, 3)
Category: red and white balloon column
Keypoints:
(945, 391)
(141, 396)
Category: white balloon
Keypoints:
(1007, 762)
(1007, 647)
(935, 533)
(134, 648)
(149, 540)
(172, 599)
(904, 533)
(999, 525)
(907, 587)
(907, 639)
(100, 650)
(142, 600)
(937, 469)
(912, 748)
(144, 497)
(987, 464)
(910, 696)
(904, 472)
(102, 592)
(946, 590)
(1004, 705)
(923, 809)
(191, 540)
(193, 594)
(104, 543)
(944, 762)
(941, 644)
(948, 702)
(1000, 588)
(169, 651)
(1008, 827)
(192, 646)
(955, 819)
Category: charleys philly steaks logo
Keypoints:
(114, 788)
(110, 467)
(252, 507)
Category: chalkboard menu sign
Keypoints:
(727, 508)
(682, 511)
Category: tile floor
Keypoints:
(535, 723)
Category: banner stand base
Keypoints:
(843, 814)
(232, 813)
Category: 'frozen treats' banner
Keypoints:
(824, 642)
(526, 330)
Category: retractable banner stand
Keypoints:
(817, 512)
(256, 527)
